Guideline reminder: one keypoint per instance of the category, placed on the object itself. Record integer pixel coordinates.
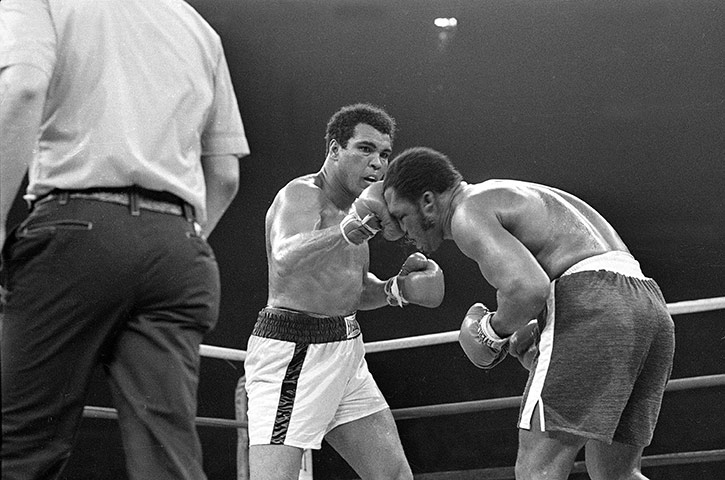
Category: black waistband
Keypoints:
(299, 327)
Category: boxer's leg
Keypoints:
(371, 446)
(274, 462)
(547, 455)
(616, 461)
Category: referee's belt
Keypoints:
(136, 198)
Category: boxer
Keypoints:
(306, 375)
(600, 359)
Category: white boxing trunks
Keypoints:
(605, 353)
(305, 375)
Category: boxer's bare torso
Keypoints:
(326, 278)
(522, 235)
(557, 228)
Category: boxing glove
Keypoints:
(420, 281)
(524, 344)
(370, 210)
(483, 347)
(356, 230)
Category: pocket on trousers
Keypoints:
(28, 230)
(33, 239)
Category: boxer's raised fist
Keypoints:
(420, 281)
(372, 202)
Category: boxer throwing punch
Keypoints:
(306, 375)
(607, 340)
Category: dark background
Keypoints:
(620, 103)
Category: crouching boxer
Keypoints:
(605, 349)
(306, 375)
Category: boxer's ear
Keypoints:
(428, 203)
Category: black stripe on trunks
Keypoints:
(287, 394)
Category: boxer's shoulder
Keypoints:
(301, 191)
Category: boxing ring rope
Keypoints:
(434, 410)
(514, 402)
(677, 308)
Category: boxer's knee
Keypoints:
(615, 461)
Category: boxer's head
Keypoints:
(415, 180)
(341, 126)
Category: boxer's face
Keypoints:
(417, 220)
(365, 158)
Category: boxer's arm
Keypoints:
(521, 284)
(221, 176)
(373, 294)
(295, 238)
(23, 90)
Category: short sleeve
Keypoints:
(224, 133)
(27, 34)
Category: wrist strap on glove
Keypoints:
(355, 230)
(393, 293)
(487, 335)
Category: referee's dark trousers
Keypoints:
(93, 282)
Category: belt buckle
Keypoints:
(353, 328)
